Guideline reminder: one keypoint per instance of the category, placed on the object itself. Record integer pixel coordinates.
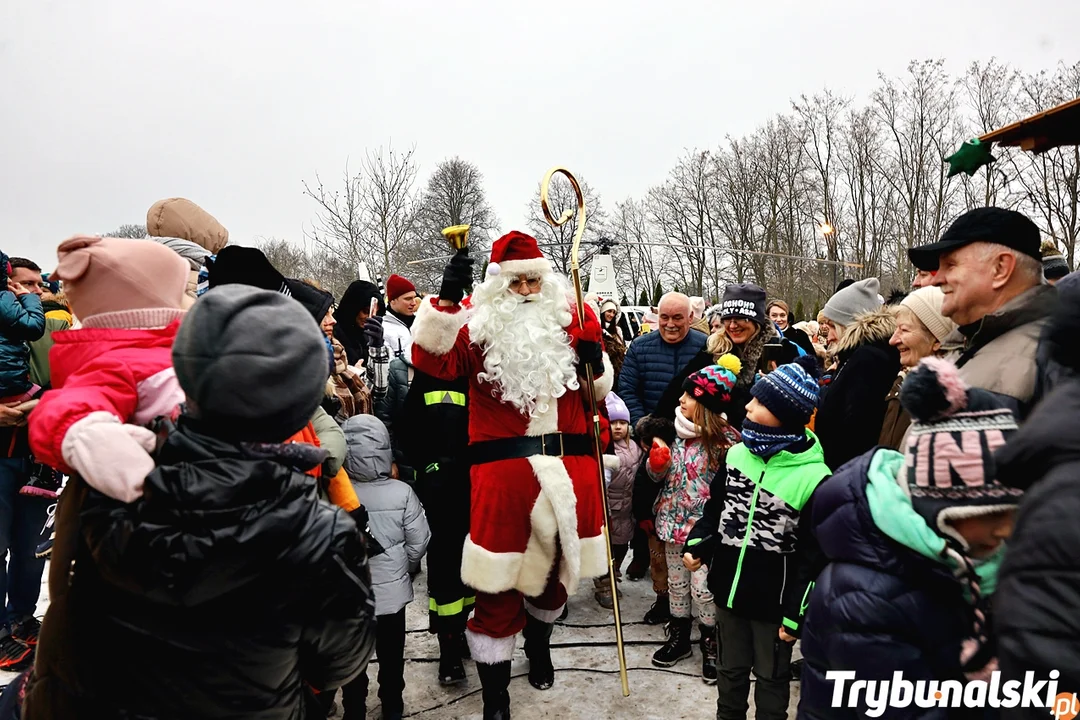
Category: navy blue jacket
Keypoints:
(650, 365)
(21, 321)
(878, 607)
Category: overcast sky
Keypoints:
(109, 105)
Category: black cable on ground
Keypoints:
(470, 693)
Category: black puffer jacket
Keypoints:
(221, 593)
(852, 409)
(1039, 583)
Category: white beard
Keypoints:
(527, 353)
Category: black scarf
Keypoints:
(406, 320)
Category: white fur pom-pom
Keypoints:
(493, 268)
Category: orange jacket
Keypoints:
(340, 487)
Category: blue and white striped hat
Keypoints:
(789, 392)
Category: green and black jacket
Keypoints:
(755, 534)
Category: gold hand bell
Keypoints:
(458, 236)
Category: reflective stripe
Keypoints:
(455, 608)
(745, 541)
(438, 397)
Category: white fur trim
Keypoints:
(436, 330)
(594, 561)
(602, 385)
(612, 462)
(67, 444)
(544, 423)
(960, 512)
(490, 650)
(534, 267)
(544, 616)
(557, 488)
(488, 571)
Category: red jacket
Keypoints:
(125, 372)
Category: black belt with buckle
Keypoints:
(550, 445)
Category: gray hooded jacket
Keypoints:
(395, 515)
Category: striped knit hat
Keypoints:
(948, 460)
(790, 392)
(711, 386)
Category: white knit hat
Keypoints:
(926, 304)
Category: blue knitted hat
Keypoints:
(789, 392)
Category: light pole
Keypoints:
(826, 230)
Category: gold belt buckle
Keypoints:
(543, 445)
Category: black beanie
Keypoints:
(315, 301)
(743, 300)
(239, 265)
(251, 362)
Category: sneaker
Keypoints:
(44, 548)
(12, 652)
(709, 652)
(27, 631)
(44, 482)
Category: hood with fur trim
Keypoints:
(870, 327)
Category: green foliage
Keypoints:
(644, 299)
(658, 292)
(797, 312)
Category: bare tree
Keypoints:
(557, 241)
(127, 231)
(454, 196)
(1051, 180)
(373, 215)
(289, 260)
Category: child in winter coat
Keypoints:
(398, 523)
(21, 320)
(685, 470)
(620, 468)
(754, 536)
(646, 491)
(914, 542)
(114, 374)
(227, 589)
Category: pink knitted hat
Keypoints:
(106, 275)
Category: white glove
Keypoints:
(113, 457)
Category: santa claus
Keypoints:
(536, 523)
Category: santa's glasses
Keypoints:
(531, 283)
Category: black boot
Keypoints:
(709, 650)
(660, 612)
(677, 646)
(451, 671)
(495, 680)
(538, 649)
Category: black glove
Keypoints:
(591, 354)
(456, 278)
(373, 331)
(360, 517)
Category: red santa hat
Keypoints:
(517, 254)
(396, 286)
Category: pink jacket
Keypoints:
(127, 373)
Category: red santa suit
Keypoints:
(536, 523)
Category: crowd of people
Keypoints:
(236, 477)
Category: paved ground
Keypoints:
(587, 670)
(586, 678)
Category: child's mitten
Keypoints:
(113, 457)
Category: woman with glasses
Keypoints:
(739, 327)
